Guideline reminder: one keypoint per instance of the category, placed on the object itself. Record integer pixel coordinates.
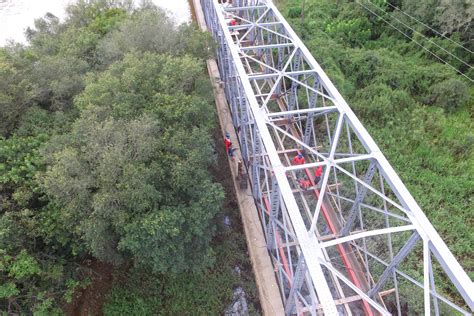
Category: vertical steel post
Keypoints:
(274, 210)
(294, 85)
(359, 198)
(313, 102)
(244, 119)
(298, 279)
(256, 163)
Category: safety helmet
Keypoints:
(227, 134)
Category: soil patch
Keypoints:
(89, 301)
(221, 173)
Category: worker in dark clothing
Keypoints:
(318, 174)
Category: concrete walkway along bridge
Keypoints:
(348, 239)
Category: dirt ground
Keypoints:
(89, 301)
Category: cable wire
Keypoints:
(415, 31)
(429, 27)
(409, 37)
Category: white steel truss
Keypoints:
(352, 240)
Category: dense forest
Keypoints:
(418, 109)
(107, 130)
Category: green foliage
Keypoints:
(72, 286)
(19, 159)
(206, 292)
(162, 36)
(105, 22)
(449, 94)
(104, 137)
(23, 265)
(354, 31)
(123, 302)
(381, 101)
(85, 13)
(8, 290)
(443, 15)
(46, 308)
(294, 12)
(14, 89)
(56, 79)
(104, 173)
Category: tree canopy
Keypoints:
(133, 172)
(106, 151)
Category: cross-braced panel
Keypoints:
(345, 235)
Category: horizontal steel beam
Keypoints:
(366, 234)
(277, 74)
(245, 8)
(327, 109)
(333, 162)
(282, 45)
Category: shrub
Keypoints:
(449, 94)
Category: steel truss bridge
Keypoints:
(356, 242)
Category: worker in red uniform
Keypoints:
(227, 142)
(304, 183)
(228, 146)
(318, 174)
(232, 22)
(298, 159)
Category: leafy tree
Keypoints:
(112, 175)
(127, 174)
(85, 13)
(15, 91)
(354, 31)
(56, 81)
(447, 16)
(151, 30)
(160, 35)
(449, 94)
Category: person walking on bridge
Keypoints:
(298, 159)
(304, 183)
(317, 174)
(228, 146)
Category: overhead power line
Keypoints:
(415, 31)
(429, 27)
(410, 38)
